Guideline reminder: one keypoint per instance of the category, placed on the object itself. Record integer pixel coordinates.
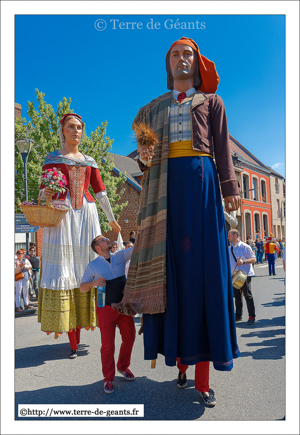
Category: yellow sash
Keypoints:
(184, 149)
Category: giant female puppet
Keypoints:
(179, 274)
(67, 247)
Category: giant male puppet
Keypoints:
(179, 275)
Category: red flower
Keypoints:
(55, 173)
(49, 170)
(61, 183)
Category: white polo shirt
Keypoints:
(101, 268)
(243, 251)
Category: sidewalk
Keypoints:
(34, 303)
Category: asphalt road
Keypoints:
(253, 391)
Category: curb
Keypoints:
(28, 312)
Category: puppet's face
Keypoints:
(72, 130)
(182, 62)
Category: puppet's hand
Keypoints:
(115, 226)
(49, 192)
(234, 200)
(146, 153)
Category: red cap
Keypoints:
(69, 114)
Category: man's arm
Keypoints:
(88, 281)
(87, 286)
(125, 253)
(249, 257)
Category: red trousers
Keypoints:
(74, 338)
(201, 374)
(108, 319)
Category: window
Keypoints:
(255, 189)
(276, 185)
(265, 225)
(246, 194)
(263, 191)
(256, 222)
(283, 206)
(278, 207)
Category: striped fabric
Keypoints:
(145, 290)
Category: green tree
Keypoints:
(43, 130)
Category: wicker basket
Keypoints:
(43, 215)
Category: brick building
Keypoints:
(129, 167)
(277, 185)
(256, 193)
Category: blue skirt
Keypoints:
(199, 322)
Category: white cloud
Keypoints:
(277, 165)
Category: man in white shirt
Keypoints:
(242, 258)
(109, 270)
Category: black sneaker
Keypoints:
(238, 319)
(181, 382)
(73, 353)
(251, 320)
(208, 399)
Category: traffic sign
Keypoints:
(26, 228)
(20, 219)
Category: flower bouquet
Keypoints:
(50, 214)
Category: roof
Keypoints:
(127, 166)
(244, 153)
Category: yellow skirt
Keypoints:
(64, 310)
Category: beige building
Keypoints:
(277, 186)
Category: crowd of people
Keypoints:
(27, 272)
(258, 246)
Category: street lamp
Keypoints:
(24, 147)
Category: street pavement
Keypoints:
(253, 391)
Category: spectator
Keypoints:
(278, 248)
(254, 248)
(257, 235)
(114, 247)
(241, 256)
(22, 265)
(260, 250)
(132, 235)
(35, 268)
(270, 249)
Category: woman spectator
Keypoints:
(22, 265)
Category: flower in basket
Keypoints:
(54, 179)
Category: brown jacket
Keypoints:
(210, 135)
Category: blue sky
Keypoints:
(109, 74)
